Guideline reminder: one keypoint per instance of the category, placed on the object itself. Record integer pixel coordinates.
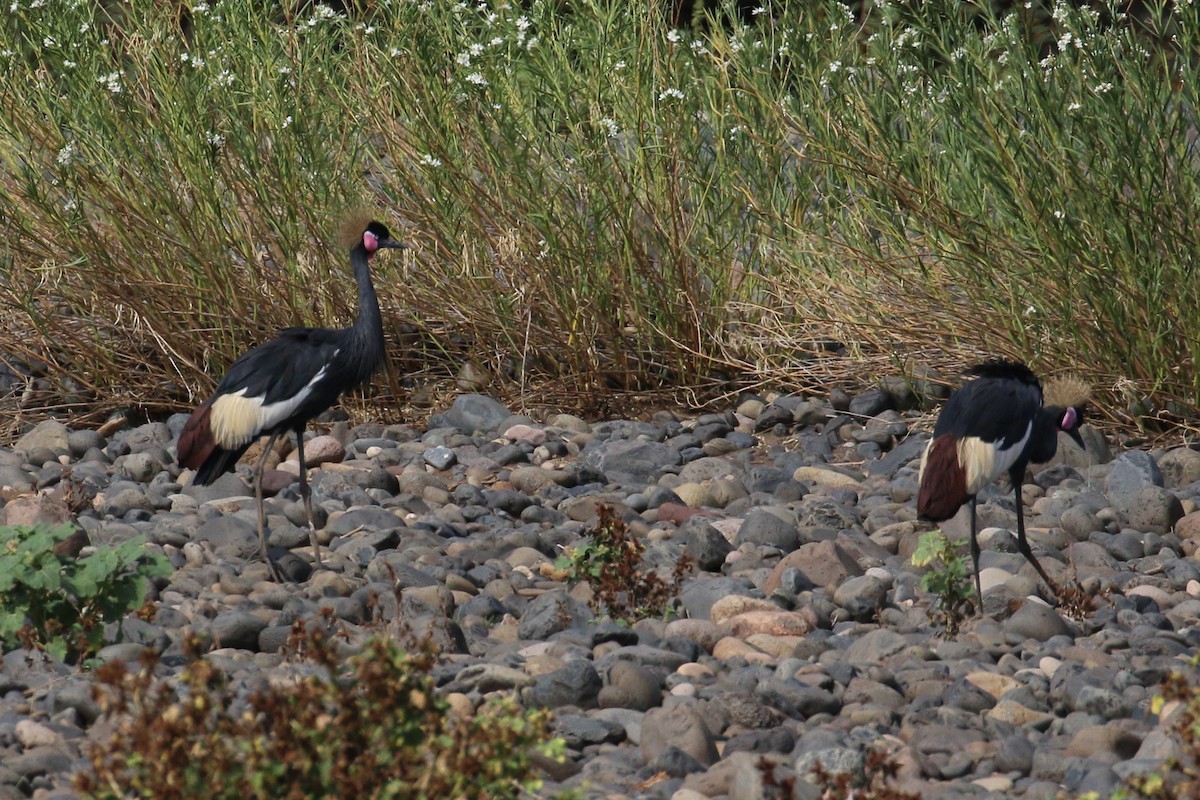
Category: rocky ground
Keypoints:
(802, 636)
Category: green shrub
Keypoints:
(61, 603)
(947, 577)
(610, 564)
(373, 728)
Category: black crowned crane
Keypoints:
(283, 383)
(994, 424)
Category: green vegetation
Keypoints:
(56, 602)
(610, 564)
(598, 200)
(947, 577)
(373, 728)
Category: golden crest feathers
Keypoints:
(1069, 390)
(352, 224)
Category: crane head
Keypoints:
(376, 235)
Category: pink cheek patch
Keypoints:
(370, 241)
(1069, 419)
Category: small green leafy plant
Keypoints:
(371, 727)
(946, 577)
(54, 601)
(609, 564)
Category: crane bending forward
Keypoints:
(994, 424)
(283, 383)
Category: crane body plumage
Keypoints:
(283, 383)
(992, 425)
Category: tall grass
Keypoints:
(601, 204)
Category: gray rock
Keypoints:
(875, 646)
(49, 434)
(763, 526)
(630, 462)
(37, 761)
(797, 700)
(872, 402)
(140, 467)
(1036, 621)
(230, 536)
(699, 594)
(550, 613)
(79, 442)
(631, 685)
(440, 458)
(679, 726)
(1180, 467)
(1130, 472)
(122, 502)
(14, 478)
(474, 412)
(237, 629)
(580, 731)
(1014, 754)
(706, 545)
(835, 761)
(675, 763)
(1102, 702)
(863, 596)
(1150, 509)
(574, 684)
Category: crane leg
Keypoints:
(262, 516)
(306, 493)
(1023, 544)
(975, 558)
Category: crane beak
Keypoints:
(394, 243)
(1074, 434)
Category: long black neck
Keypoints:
(368, 326)
(1043, 440)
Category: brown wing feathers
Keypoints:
(943, 480)
(196, 442)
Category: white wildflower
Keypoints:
(476, 49)
(1074, 107)
(287, 120)
(111, 82)
(66, 155)
(620, 65)
(85, 27)
(225, 78)
(477, 79)
(611, 125)
(522, 24)
(757, 10)
(214, 139)
(430, 161)
(675, 93)
(1058, 214)
(68, 64)
(463, 59)
(1103, 88)
(673, 36)
(200, 8)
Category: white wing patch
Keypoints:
(985, 461)
(236, 419)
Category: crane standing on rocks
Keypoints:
(283, 383)
(993, 424)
